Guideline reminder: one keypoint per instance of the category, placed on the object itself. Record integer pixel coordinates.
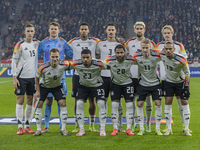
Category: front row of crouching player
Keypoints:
(91, 83)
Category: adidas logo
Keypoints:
(141, 62)
(133, 46)
(26, 48)
(78, 44)
(48, 73)
(115, 66)
(105, 45)
(48, 46)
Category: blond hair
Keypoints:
(140, 23)
(146, 41)
(168, 27)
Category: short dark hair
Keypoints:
(29, 25)
(111, 24)
(84, 24)
(169, 42)
(54, 50)
(55, 24)
(86, 51)
(119, 46)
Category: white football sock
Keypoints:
(28, 112)
(148, 108)
(129, 114)
(140, 116)
(38, 118)
(120, 110)
(114, 114)
(63, 117)
(80, 113)
(19, 115)
(102, 113)
(186, 115)
(180, 109)
(92, 119)
(134, 109)
(168, 115)
(158, 116)
(106, 109)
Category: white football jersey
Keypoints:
(105, 49)
(120, 71)
(25, 59)
(52, 76)
(147, 68)
(77, 45)
(89, 76)
(132, 46)
(175, 68)
(179, 48)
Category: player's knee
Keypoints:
(20, 99)
(29, 99)
(140, 104)
(49, 100)
(184, 102)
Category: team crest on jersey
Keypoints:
(152, 61)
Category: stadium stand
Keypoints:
(183, 15)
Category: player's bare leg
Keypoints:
(19, 113)
(92, 110)
(148, 108)
(63, 116)
(28, 112)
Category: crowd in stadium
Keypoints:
(156, 14)
(183, 15)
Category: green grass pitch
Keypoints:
(53, 140)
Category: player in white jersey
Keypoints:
(168, 32)
(119, 66)
(24, 67)
(149, 82)
(132, 46)
(77, 45)
(106, 48)
(52, 73)
(177, 82)
(91, 84)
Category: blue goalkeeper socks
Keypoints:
(47, 113)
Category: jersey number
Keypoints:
(110, 52)
(120, 71)
(55, 77)
(130, 89)
(146, 67)
(32, 53)
(84, 48)
(170, 68)
(87, 76)
(100, 92)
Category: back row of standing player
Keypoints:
(104, 48)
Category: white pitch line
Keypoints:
(6, 81)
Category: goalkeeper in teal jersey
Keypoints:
(44, 48)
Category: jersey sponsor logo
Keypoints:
(78, 44)
(26, 48)
(104, 45)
